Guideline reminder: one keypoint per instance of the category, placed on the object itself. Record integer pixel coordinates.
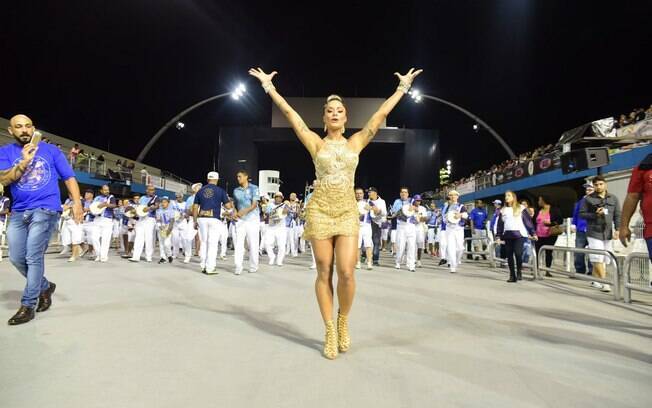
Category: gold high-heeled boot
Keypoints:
(343, 339)
(330, 344)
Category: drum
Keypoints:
(95, 208)
(142, 211)
(407, 210)
(66, 214)
(452, 217)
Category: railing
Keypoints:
(533, 265)
(642, 285)
(472, 252)
(615, 278)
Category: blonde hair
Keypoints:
(330, 99)
(516, 206)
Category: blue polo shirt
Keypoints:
(479, 217)
(245, 197)
(211, 198)
(39, 185)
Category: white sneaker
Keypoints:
(357, 266)
(186, 260)
(418, 264)
(313, 266)
(223, 257)
(237, 272)
(606, 288)
(279, 264)
(97, 259)
(369, 267)
(397, 266)
(64, 251)
(453, 270)
(597, 285)
(270, 263)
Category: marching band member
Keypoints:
(145, 226)
(421, 228)
(89, 228)
(301, 221)
(384, 234)
(364, 235)
(292, 219)
(180, 225)
(454, 229)
(191, 233)
(104, 224)
(206, 215)
(441, 235)
(71, 232)
(226, 218)
(313, 265)
(127, 225)
(5, 204)
(378, 216)
(431, 223)
(264, 223)
(393, 224)
(245, 198)
(116, 233)
(277, 232)
(165, 219)
(405, 230)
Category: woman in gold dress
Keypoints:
(332, 218)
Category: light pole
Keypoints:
(235, 94)
(417, 97)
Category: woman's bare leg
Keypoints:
(323, 251)
(346, 253)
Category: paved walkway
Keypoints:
(146, 335)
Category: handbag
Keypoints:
(556, 230)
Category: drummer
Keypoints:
(364, 235)
(454, 215)
(406, 236)
(164, 224)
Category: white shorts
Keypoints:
(431, 236)
(392, 236)
(384, 234)
(364, 236)
(595, 243)
(440, 236)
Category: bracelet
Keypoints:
(268, 86)
(403, 87)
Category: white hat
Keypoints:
(213, 175)
(497, 202)
(196, 186)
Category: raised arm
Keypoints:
(310, 139)
(361, 139)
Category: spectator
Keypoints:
(59, 146)
(74, 152)
(143, 175)
(100, 158)
(514, 226)
(640, 114)
(546, 218)
(579, 226)
(478, 222)
(601, 211)
(640, 189)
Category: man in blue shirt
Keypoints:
(406, 233)
(579, 225)
(247, 225)
(190, 234)
(33, 172)
(104, 223)
(206, 213)
(478, 218)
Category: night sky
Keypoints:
(110, 73)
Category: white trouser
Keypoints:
(91, 235)
(144, 238)
(104, 233)
(291, 240)
(441, 238)
(364, 236)
(431, 236)
(209, 234)
(302, 242)
(392, 236)
(249, 229)
(223, 237)
(421, 236)
(116, 229)
(384, 234)
(164, 245)
(406, 239)
(188, 237)
(276, 234)
(263, 241)
(71, 232)
(454, 245)
(177, 237)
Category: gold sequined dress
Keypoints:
(332, 209)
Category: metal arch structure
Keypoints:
(495, 134)
(154, 139)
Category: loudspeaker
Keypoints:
(120, 190)
(583, 159)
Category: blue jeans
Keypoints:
(28, 235)
(527, 247)
(580, 264)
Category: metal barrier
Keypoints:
(627, 285)
(472, 252)
(616, 276)
(533, 264)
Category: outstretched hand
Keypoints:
(261, 75)
(409, 77)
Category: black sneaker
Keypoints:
(162, 261)
(442, 262)
(170, 259)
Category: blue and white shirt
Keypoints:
(149, 201)
(108, 212)
(4, 205)
(401, 219)
(245, 197)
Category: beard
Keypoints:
(23, 138)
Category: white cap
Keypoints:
(195, 186)
(497, 202)
(213, 175)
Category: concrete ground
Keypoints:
(147, 335)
